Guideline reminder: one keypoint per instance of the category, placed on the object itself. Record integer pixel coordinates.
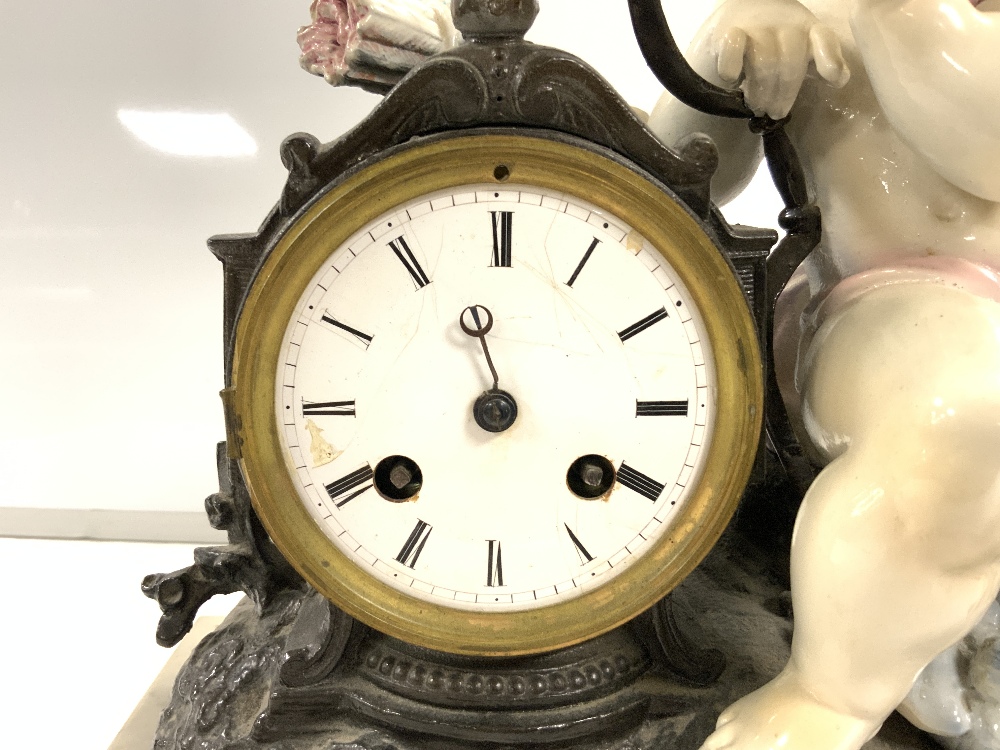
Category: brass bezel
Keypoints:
(471, 159)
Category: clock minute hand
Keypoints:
(495, 410)
(479, 331)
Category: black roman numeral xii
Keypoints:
(503, 222)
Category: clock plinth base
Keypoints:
(233, 692)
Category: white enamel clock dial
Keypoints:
(595, 340)
(495, 394)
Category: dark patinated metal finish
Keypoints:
(297, 676)
(249, 563)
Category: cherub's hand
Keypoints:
(767, 45)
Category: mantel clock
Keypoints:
(494, 387)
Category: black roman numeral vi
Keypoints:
(494, 565)
(503, 222)
(414, 544)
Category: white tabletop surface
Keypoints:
(78, 638)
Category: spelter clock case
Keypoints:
(493, 389)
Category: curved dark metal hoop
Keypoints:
(665, 59)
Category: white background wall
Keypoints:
(110, 303)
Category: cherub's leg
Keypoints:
(896, 552)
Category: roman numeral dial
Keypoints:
(391, 426)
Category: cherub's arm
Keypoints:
(740, 151)
(933, 64)
(767, 48)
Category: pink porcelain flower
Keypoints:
(324, 41)
(373, 41)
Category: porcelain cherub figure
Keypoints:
(888, 343)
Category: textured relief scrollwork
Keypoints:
(552, 88)
(556, 87)
(444, 92)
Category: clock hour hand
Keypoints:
(495, 410)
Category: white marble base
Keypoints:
(138, 731)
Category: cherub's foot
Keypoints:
(783, 716)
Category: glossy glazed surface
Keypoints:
(888, 342)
